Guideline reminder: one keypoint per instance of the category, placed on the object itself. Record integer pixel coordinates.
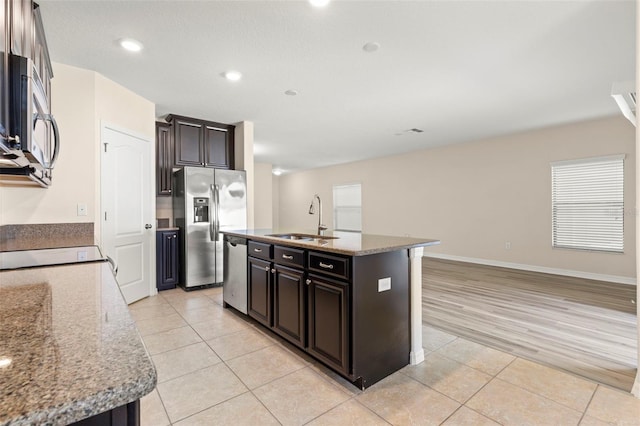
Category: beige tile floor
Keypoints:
(217, 368)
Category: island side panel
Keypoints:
(380, 318)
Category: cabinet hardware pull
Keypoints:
(257, 250)
(326, 266)
(266, 268)
(284, 256)
(273, 270)
(308, 281)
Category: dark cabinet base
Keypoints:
(381, 320)
(355, 325)
(125, 415)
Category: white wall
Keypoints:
(81, 99)
(476, 196)
(263, 196)
(636, 385)
(244, 161)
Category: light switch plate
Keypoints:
(82, 209)
(384, 284)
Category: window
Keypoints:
(587, 204)
(347, 208)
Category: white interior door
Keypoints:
(127, 214)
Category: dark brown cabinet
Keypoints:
(202, 143)
(289, 304)
(259, 291)
(309, 310)
(328, 304)
(167, 261)
(349, 312)
(164, 158)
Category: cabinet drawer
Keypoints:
(288, 256)
(259, 250)
(329, 265)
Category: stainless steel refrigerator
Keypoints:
(206, 202)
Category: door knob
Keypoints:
(147, 226)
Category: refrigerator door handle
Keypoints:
(217, 224)
(212, 218)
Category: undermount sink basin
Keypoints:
(302, 237)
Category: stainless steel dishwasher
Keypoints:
(234, 289)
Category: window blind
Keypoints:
(587, 204)
(347, 207)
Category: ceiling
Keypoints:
(458, 70)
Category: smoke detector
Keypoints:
(624, 94)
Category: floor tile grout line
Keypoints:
(265, 407)
(586, 408)
(539, 394)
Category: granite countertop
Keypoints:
(348, 243)
(170, 228)
(68, 347)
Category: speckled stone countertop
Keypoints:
(45, 235)
(348, 243)
(68, 347)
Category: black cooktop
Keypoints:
(49, 257)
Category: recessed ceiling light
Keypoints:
(130, 44)
(232, 75)
(5, 361)
(277, 172)
(319, 3)
(291, 92)
(372, 46)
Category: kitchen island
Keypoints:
(69, 350)
(353, 301)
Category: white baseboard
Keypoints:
(556, 271)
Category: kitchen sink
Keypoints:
(302, 237)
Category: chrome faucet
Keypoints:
(321, 227)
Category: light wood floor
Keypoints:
(582, 326)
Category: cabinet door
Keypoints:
(218, 147)
(329, 321)
(166, 259)
(164, 159)
(170, 250)
(289, 304)
(188, 143)
(4, 75)
(259, 306)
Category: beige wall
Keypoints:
(74, 177)
(263, 196)
(476, 196)
(275, 192)
(244, 161)
(81, 100)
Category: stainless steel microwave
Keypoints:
(33, 149)
(29, 138)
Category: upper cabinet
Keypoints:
(202, 143)
(185, 141)
(164, 158)
(4, 74)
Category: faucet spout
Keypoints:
(321, 227)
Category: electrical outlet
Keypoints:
(507, 245)
(384, 284)
(82, 209)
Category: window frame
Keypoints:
(574, 196)
(337, 207)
